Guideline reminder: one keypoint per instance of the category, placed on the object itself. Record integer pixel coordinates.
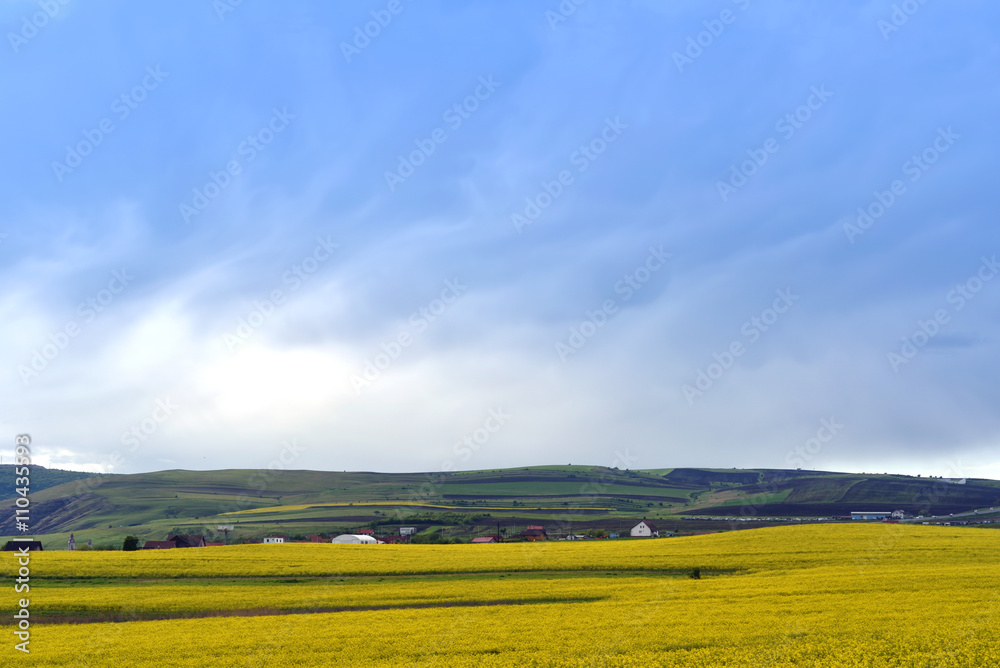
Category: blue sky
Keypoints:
(498, 234)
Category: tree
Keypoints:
(130, 544)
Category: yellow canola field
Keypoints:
(817, 596)
(127, 599)
(824, 618)
(781, 548)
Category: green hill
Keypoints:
(43, 478)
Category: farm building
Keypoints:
(870, 515)
(644, 529)
(215, 544)
(187, 540)
(533, 533)
(354, 539)
(486, 539)
(274, 539)
(365, 532)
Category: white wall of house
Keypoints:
(642, 530)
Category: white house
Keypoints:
(274, 539)
(644, 529)
(354, 539)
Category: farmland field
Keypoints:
(824, 595)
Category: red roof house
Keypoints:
(187, 540)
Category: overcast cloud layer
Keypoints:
(567, 234)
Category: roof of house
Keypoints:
(14, 545)
(651, 526)
(159, 545)
(484, 539)
(215, 544)
(533, 532)
(366, 532)
(187, 539)
(536, 526)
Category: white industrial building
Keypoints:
(355, 539)
(274, 539)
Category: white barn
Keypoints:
(274, 539)
(354, 539)
(644, 529)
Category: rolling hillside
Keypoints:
(564, 498)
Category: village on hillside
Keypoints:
(405, 534)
